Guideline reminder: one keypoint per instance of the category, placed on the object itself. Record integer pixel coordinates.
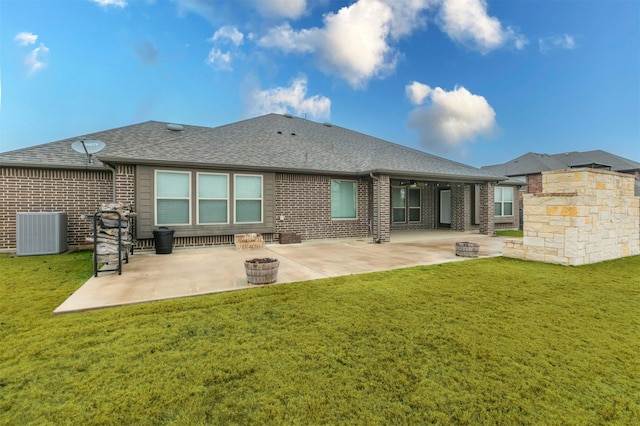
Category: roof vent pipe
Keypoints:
(175, 127)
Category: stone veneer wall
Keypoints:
(582, 216)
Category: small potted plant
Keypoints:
(263, 270)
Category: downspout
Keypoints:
(377, 240)
(113, 173)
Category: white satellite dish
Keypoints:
(88, 147)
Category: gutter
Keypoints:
(482, 177)
(377, 239)
(113, 173)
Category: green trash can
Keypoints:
(163, 240)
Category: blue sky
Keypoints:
(480, 82)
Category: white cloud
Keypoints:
(407, 15)
(230, 33)
(467, 22)
(199, 7)
(292, 99)
(556, 42)
(353, 43)
(291, 9)
(451, 118)
(25, 39)
(288, 40)
(356, 43)
(114, 3)
(219, 60)
(417, 92)
(35, 61)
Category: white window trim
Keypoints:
(355, 201)
(155, 198)
(235, 199)
(198, 198)
(502, 188)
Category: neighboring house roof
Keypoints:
(269, 142)
(532, 163)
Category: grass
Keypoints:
(487, 341)
(513, 233)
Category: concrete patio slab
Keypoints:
(196, 271)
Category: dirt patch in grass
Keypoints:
(496, 341)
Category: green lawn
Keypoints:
(513, 233)
(486, 341)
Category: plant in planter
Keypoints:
(262, 270)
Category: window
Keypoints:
(414, 205)
(213, 198)
(173, 198)
(399, 203)
(343, 199)
(248, 196)
(503, 201)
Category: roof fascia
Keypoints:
(393, 173)
(438, 177)
(23, 165)
(196, 165)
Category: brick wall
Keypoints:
(460, 207)
(384, 183)
(534, 184)
(125, 185)
(581, 217)
(486, 217)
(305, 203)
(76, 192)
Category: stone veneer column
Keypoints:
(581, 217)
(384, 182)
(486, 217)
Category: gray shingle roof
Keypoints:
(532, 163)
(269, 142)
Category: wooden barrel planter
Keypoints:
(262, 270)
(467, 249)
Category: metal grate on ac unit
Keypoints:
(41, 233)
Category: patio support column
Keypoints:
(460, 207)
(381, 208)
(486, 216)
